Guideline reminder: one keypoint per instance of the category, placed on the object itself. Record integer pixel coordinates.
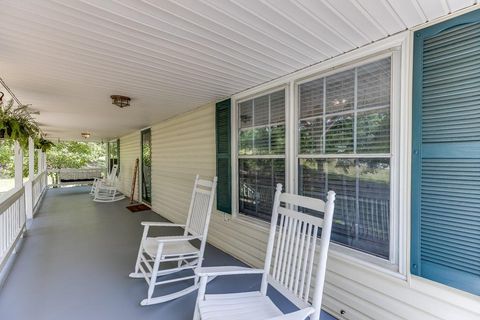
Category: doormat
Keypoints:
(138, 207)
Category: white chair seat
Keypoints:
(238, 306)
(170, 248)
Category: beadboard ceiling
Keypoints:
(66, 57)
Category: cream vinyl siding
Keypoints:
(129, 151)
(185, 145)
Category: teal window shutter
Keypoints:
(223, 145)
(445, 244)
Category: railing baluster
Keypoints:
(12, 223)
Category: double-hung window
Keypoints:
(261, 152)
(339, 138)
(343, 144)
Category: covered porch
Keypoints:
(375, 100)
(75, 259)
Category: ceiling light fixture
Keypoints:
(85, 135)
(120, 101)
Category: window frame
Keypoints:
(110, 143)
(398, 47)
(392, 262)
(235, 129)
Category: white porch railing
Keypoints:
(12, 222)
(39, 185)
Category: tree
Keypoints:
(7, 169)
(61, 155)
(76, 155)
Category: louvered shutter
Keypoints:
(222, 133)
(446, 153)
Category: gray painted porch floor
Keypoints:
(75, 260)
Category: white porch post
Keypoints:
(18, 161)
(39, 161)
(28, 184)
(44, 163)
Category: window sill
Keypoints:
(337, 251)
(365, 260)
(256, 223)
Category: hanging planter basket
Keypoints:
(17, 124)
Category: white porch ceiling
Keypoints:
(66, 57)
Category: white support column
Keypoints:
(39, 161)
(44, 157)
(31, 159)
(28, 185)
(18, 161)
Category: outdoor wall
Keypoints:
(185, 145)
(129, 151)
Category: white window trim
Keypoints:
(400, 45)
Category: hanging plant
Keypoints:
(43, 144)
(17, 124)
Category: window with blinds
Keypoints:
(261, 152)
(344, 145)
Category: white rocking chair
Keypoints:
(155, 252)
(108, 180)
(293, 237)
(108, 191)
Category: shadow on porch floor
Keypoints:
(75, 260)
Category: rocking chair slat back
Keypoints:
(200, 207)
(293, 238)
(113, 173)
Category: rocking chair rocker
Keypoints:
(293, 237)
(108, 180)
(155, 252)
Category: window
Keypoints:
(114, 154)
(261, 152)
(344, 145)
(341, 134)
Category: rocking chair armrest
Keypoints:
(297, 315)
(178, 238)
(226, 271)
(160, 224)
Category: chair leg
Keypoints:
(137, 273)
(153, 277)
(200, 297)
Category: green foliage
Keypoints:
(60, 155)
(76, 155)
(43, 144)
(6, 158)
(17, 124)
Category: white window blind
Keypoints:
(261, 152)
(344, 145)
